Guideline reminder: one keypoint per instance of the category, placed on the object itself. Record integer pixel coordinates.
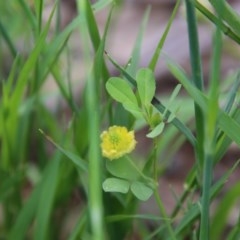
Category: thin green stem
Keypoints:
(164, 214)
(182, 198)
(155, 160)
(155, 57)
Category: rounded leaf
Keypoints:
(115, 185)
(141, 191)
(122, 168)
(121, 91)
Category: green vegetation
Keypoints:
(54, 181)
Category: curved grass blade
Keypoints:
(25, 217)
(99, 5)
(8, 40)
(194, 211)
(135, 56)
(77, 231)
(95, 170)
(226, 12)
(225, 122)
(29, 65)
(223, 211)
(224, 28)
(157, 52)
(119, 217)
(81, 164)
(46, 199)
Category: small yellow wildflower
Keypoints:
(116, 142)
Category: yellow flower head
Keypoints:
(116, 142)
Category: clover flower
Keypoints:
(116, 142)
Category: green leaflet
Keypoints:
(141, 191)
(116, 185)
(146, 85)
(121, 91)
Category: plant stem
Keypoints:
(164, 214)
(182, 198)
(155, 160)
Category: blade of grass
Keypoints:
(58, 18)
(92, 27)
(119, 217)
(194, 211)
(38, 9)
(99, 5)
(29, 14)
(157, 52)
(99, 68)
(8, 183)
(51, 57)
(224, 28)
(235, 232)
(46, 200)
(226, 12)
(55, 47)
(7, 127)
(25, 216)
(224, 141)
(220, 219)
(189, 185)
(12, 119)
(229, 125)
(29, 65)
(8, 40)
(135, 56)
(8, 85)
(196, 78)
(42, 194)
(233, 93)
(210, 135)
(164, 214)
(77, 232)
(81, 164)
(95, 167)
